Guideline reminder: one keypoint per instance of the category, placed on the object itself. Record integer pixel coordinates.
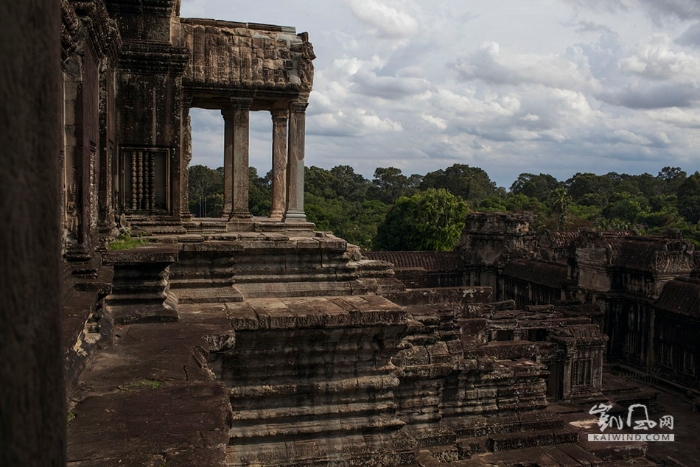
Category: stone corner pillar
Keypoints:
(295, 165)
(186, 151)
(241, 147)
(280, 117)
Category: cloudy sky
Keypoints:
(511, 86)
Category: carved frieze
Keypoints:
(224, 54)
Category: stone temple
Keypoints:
(247, 341)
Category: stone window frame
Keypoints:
(167, 155)
(582, 372)
(664, 356)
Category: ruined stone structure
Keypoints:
(645, 287)
(258, 342)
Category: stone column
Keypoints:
(186, 148)
(279, 163)
(228, 114)
(295, 167)
(241, 136)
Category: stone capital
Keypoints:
(241, 103)
(298, 107)
(280, 116)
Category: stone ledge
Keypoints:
(327, 312)
(151, 253)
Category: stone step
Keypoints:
(374, 383)
(299, 289)
(198, 283)
(363, 449)
(564, 455)
(207, 295)
(293, 414)
(530, 439)
(285, 276)
(335, 425)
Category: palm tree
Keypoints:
(560, 200)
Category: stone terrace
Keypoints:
(312, 356)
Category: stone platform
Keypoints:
(295, 351)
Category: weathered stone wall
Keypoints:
(33, 421)
(90, 44)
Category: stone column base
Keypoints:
(295, 216)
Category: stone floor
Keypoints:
(150, 400)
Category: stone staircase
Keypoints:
(232, 267)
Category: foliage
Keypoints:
(472, 184)
(125, 241)
(145, 383)
(559, 202)
(534, 186)
(393, 211)
(205, 190)
(429, 220)
(689, 198)
(389, 184)
(259, 193)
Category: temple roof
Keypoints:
(681, 296)
(428, 260)
(538, 272)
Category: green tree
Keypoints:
(689, 198)
(671, 179)
(348, 184)
(389, 184)
(559, 201)
(625, 206)
(259, 193)
(429, 220)
(472, 184)
(534, 186)
(583, 184)
(205, 191)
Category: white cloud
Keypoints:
(491, 65)
(441, 123)
(557, 87)
(677, 117)
(655, 59)
(389, 20)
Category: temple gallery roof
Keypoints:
(537, 272)
(681, 296)
(428, 260)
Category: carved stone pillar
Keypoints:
(186, 156)
(228, 114)
(241, 143)
(295, 167)
(279, 163)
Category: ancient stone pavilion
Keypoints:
(128, 90)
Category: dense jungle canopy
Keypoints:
(426, 212)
